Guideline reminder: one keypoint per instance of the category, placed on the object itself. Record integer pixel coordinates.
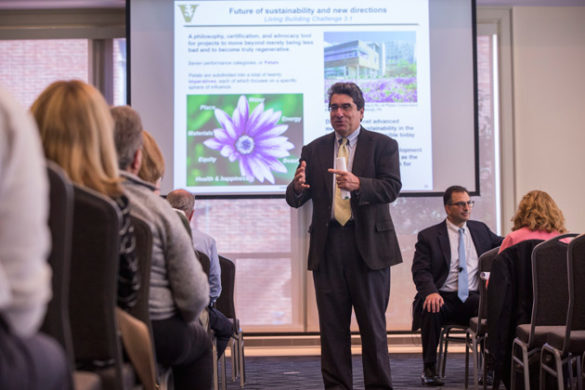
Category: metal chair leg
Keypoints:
(476, 363)
(526, 368)
(467, 340)
(234, 357)
(242, 365)
(442, 351)
(222, 372)
(579, 373)
(215, 368)
(560, 375)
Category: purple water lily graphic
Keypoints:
(253, 139)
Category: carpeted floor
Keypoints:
(303, 372)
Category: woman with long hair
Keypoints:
(76, 130)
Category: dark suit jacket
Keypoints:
(432, 259)
(376, 164)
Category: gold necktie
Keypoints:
(341, 207)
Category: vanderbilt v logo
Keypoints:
(188, 12)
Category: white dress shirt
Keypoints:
(470, 256)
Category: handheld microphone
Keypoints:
(340, 166)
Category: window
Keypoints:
(41, 46)
(119, 57)
(27, 67)
(256, 235)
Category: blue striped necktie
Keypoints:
(462, 281)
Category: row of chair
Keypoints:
(555, 336)
(83, 314)
(84, 258)
(566, 344)
(537, 295)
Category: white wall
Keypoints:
(548, 50)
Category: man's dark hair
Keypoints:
(449, 192)
(350, 89)
(127, 134)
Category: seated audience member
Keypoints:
(223, 328)
(76, 129)
(152, 168)
(538, 218)
(28, 359)
(444, 270)
(179, 290)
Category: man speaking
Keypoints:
(353, 242)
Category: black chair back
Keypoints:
(143, 251)
(93, 287)
(225, 302)
(205, 263)
(144, 362)
(56, 323)
(549, 283)
(576, 274)
(485, 265)
(486, 260)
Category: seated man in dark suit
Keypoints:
(444, 270)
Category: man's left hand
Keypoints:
(346, 180)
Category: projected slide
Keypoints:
(251, 81)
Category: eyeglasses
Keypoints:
(469, 203)
(345, 107)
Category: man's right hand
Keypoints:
(299, 182)
(433, 303)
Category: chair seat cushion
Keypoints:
(476, 327)
(110, 380)
(556, 339)
(540, 333)
(86, 380)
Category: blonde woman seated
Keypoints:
(76, 130)
(538, 218)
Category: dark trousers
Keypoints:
(32, 363)
(186, 348)
(343, 280)
(453, 312)
(222, 327)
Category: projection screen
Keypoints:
(232, 90)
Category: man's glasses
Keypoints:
(469, 203)
(346, 107)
